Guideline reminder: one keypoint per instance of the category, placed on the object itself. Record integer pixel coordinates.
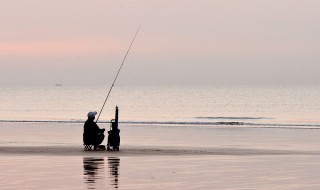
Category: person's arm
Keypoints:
(99, 130)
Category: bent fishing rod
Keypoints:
(124, 59)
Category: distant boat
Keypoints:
(58, 84)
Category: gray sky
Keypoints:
(82, 42)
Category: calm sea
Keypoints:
(220, 137)
(236, 105)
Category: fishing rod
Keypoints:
(124, 59)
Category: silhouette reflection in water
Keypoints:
(93, 172)
(113, 165)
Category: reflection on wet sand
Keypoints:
(113, 165)
(94, 172)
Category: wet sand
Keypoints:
(144, 151)
(280, 172)
(51, 156)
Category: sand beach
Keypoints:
(222, 158)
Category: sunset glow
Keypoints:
(210, 42)
(59, 48)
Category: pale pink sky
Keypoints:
(43, 42)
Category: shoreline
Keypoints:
(146, 151)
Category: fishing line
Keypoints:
(124, 59)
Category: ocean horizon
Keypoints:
(237, 105)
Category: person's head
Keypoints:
(92, 115)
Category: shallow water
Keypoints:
(160, 157)
(161, 172)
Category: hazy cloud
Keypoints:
(43, 42)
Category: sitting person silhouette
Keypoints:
(92, 134)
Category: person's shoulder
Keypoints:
(89, 122)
